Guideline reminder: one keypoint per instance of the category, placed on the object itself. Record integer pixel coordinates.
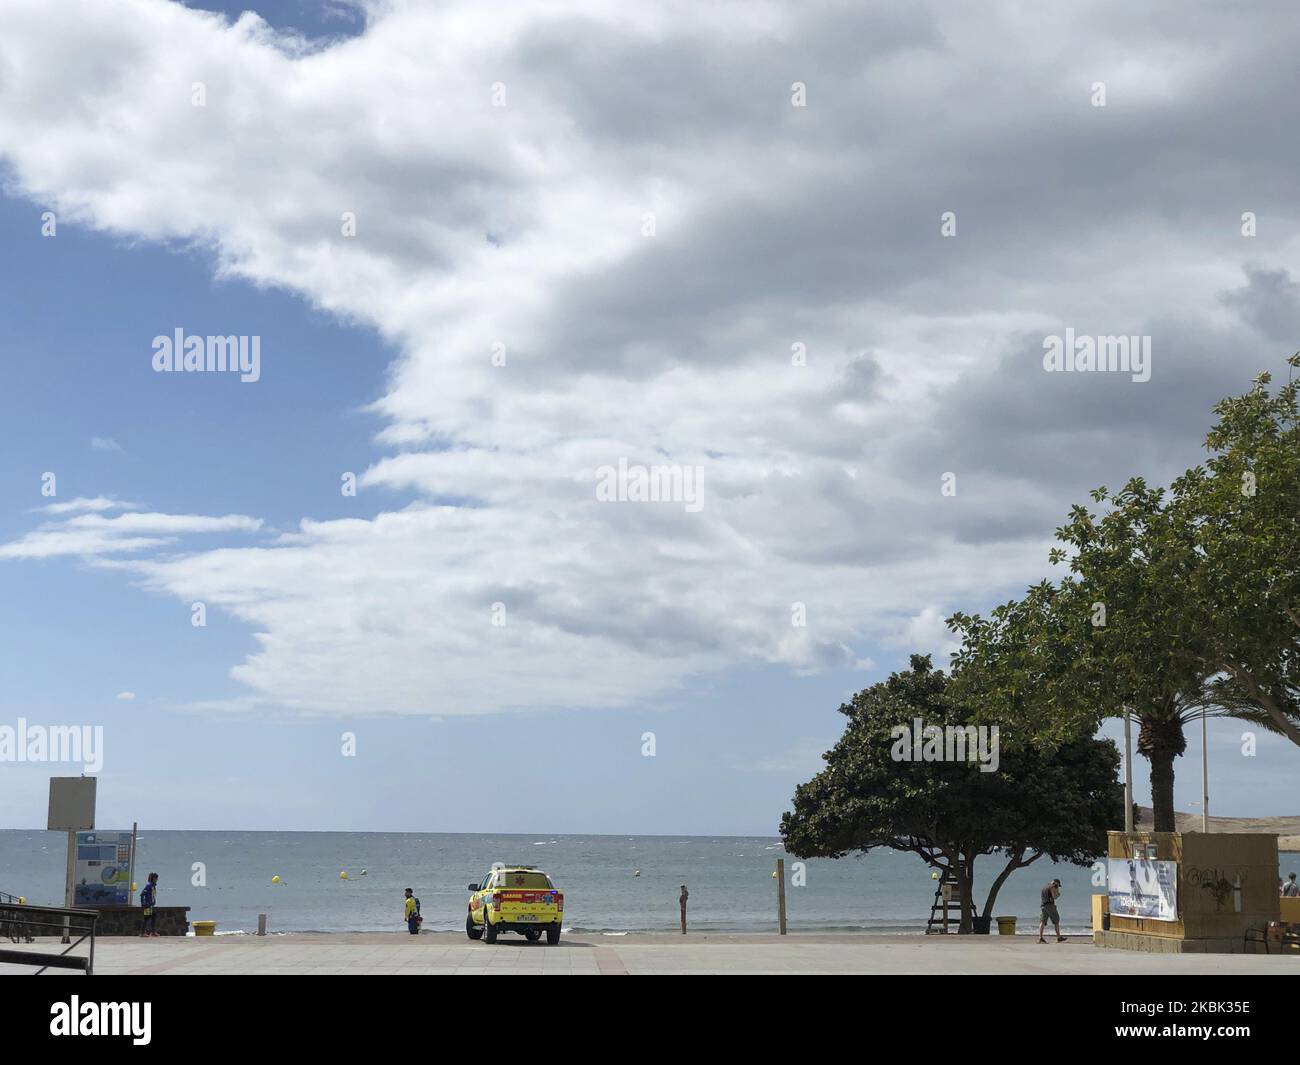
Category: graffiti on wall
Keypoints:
(1224, 886)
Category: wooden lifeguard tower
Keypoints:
(947, 906)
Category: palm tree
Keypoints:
(1162, 738)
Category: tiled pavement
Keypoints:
(450, 953)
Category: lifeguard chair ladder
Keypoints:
(947, 906)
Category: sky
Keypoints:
(807, 253)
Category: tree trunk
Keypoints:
(1015, 862)
(1160, 741)
(966, 880)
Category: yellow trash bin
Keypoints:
(205, 928)
(1006, 926)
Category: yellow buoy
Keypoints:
(343, 875)
(934, 876)
(134, 886)
(275, 880)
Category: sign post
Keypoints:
(72, 809)
(130, 873)
(780, 893)
(68, 889)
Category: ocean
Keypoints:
(729, 877)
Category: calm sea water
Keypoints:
(730, 880)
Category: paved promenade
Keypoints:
(317, 954)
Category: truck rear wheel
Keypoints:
(489, 932)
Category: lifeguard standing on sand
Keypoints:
(411, 912)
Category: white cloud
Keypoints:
(927, 633)
(92, 535)
(137, 522)
(125, 696)
(774, 227)
(98, 505)
(104, 443)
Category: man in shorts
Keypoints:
(1050, 893)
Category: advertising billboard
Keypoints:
(1142, 887)
(102, 869)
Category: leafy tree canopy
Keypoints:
(1059, 804)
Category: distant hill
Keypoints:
(1287, 829)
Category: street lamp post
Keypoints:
(1205, 777)
(1128, 772)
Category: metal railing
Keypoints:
(21, 923)
(14, 935)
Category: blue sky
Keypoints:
(87, 307)
(474, 226)
(729, 750)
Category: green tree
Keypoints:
(950, 812)
(1178, 603)
(1100, 640)
(1208, 574)
(1239, 516)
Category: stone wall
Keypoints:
(127, 920)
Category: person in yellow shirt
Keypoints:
(412, 913)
